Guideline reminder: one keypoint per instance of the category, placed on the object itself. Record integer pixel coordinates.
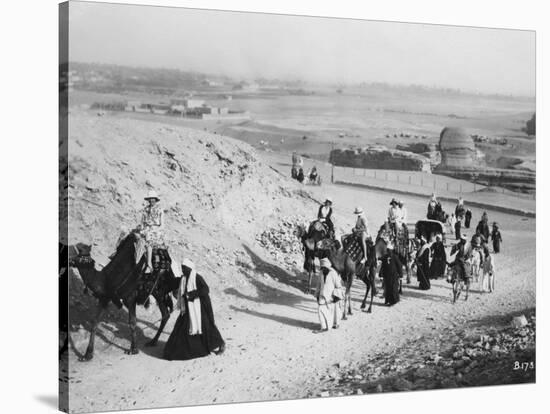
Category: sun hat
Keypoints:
(358, 210)
(329, 199)
(326, 263)
(393, 201)
(152, 194)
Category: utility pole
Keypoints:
(331, 164)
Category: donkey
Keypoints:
(123, 281)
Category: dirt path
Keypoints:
(271, 350)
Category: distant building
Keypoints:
(187, 102)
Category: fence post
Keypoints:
(447, 186)
(386, 176)
(409, 179)
(460, 188)
(421, 181)
(374, 173)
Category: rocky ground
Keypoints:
(235, 216)
(486, 354)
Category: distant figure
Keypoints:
(460, 259)
(432, 204)
(468, 218)
(403, 212)
(460, 210)
(391, 270)
(452, 221)
(458, 228)
(328, 288)
(496, 237)
(439, 258)
(300, 176)
(195, 333)
(313, 174)
(423, 265)
(483, 227)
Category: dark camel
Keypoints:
(123, 282)
(310, 239)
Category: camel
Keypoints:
(343, 264)
(310, 240)
(123, 282)
(63, 297)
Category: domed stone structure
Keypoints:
(457, 149)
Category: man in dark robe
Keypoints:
(468, 218)
(391, 271)
(439, 259)
(186, 340)
(496, 237)
(423, 265)
(483, 229)
(458, 228)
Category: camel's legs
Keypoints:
(90, 349)
(165, 316)
(132, 323)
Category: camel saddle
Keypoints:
(352, 246)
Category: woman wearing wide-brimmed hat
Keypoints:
(361, 230)
(325, 215)
(152, 224)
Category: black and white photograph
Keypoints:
(264, 207)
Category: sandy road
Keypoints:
(272, 352)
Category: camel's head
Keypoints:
(80, 255)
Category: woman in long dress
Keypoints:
(439, 259)
(423, 265)
(391, 270)
(195, 333)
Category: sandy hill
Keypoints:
(224, 208)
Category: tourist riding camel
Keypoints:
(361, 231)
(394, 216)
(483, 227)
(151, 226)
(325, 215)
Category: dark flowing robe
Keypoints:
(483, 229)
(496, 237)
(181, 345)
(468, 218)
(458, 229)
(439, 260)
(391, 271)
(423, 267)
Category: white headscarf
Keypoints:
(195, 322)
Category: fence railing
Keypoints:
(418, 181)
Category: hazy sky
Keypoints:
(315, 49)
